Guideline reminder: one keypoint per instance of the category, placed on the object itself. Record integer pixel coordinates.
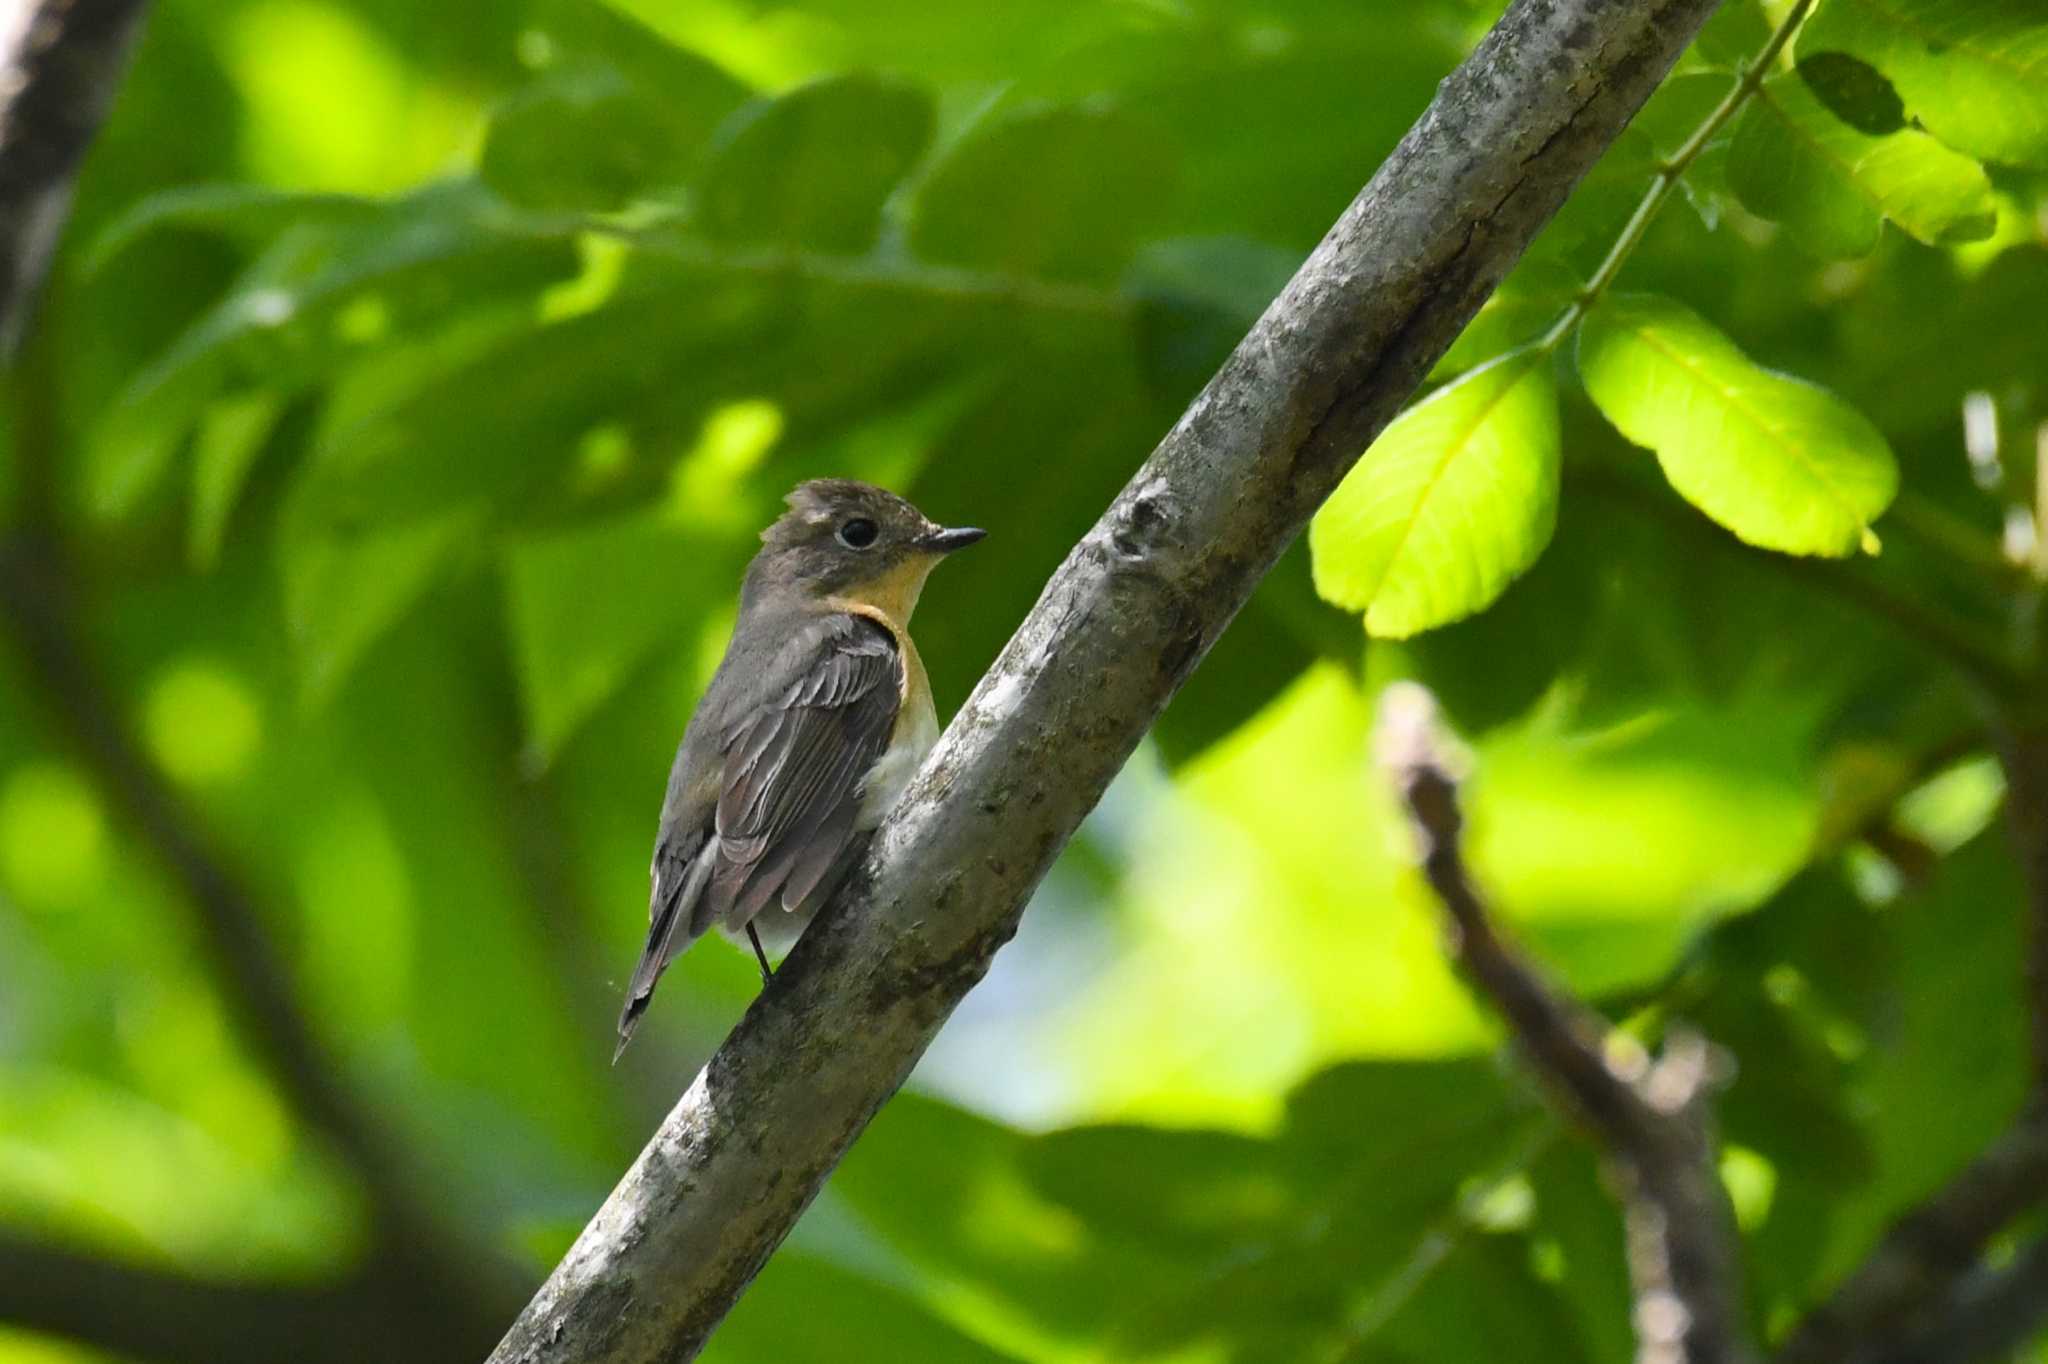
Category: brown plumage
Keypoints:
(816, 718)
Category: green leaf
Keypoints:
(231, 437)
(1576, 1213)
(694, 93)
(619, 113)
(1795, 162)
(417, 453)
(803, 1308)
(1782, 463)
(1187, 1193)
(1066, 191)
(1972, 72)
(583, 140)
(1519, 310)
(1283, 629)
(1451, 503)
(587, 608)
(319, 295)
(242, 212)
(1197, 297)
(812, 168)
(340, 596)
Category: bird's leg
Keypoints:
(760, 955)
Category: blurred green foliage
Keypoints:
(415, 379)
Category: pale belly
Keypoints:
(885, 781)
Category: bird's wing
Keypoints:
(794, 763)
(777, 814)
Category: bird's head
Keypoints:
(851, 541)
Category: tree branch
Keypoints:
(60, 63)
(1651, 1118)
(1923, 1280)
(176, 1318)
(61, 66)
(1122, 622)
(1990, 1315)
(470, 1291)
(2023, 754)
(1903, 1282)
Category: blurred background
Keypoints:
(410, 390)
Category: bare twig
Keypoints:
(1651, 1117)
(1913, 1282)
(60, 63)
(2023, 753)
(1120, 625)
(1989, 1315)
(1905, 1280)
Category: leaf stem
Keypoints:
(1671, 171)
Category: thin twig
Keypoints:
(1672, 172)
(1902, 1282)
(1916, 1283)
(1990, 1315)
(1651, 1117)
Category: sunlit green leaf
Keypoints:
(1796, 162)
(1453, 500)
(1972, 72)
(1782, 463)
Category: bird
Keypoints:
(816, 719)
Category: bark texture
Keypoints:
(60, 63)
(1651, 1119)
(1123, 621)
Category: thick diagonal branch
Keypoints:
(1118, 628)
(1652, 1122)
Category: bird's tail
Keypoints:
(671, 931)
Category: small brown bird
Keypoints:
(815, 721)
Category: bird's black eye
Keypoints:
(858, 533)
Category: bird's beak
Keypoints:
(947, 540)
